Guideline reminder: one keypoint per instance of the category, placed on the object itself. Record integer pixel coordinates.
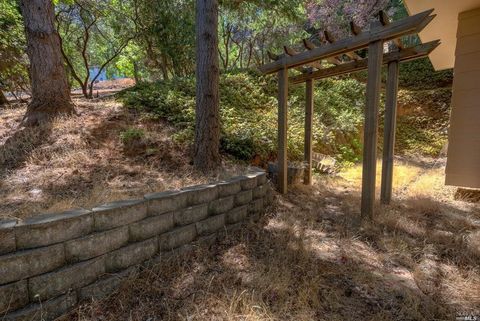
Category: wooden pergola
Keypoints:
(342, 54)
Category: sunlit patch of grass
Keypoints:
(403, 174)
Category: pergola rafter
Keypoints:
(380, 32)
(407, 54)
(396, 29)
(309, 45)
(330, 39)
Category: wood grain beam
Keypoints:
(375, 50)
(282, 130)
(310, 46)
(355, 29)
(292, 52)
(389, 127)
(411, 53)
(385, 20)
(408, 25)
(307, 180)
(331, 39)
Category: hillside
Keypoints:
(139, 141)
(104, 154)
(248, 113)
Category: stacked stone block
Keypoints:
(49, 263)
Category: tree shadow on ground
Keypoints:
(18, 147)
(306, 260)
(80, 163)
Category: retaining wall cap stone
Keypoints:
(7, 236)
(256, 170)
(49, 229)
(117, 204)
(8, 223)
(52, 217)
(198, 187)
(119, 213)
(162, 194)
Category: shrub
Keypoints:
(132, 134)
(248, 112)
(419, 74)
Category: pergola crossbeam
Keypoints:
(381, 31)
(310, 46)
(385, 20)
(292, 52)
(275, 57)
(354, 66)
(409, 25)
(330, 39)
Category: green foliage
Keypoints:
(415, 136)
(13, 60)
(419, 74)
(132, 134)
(94, 33)
(423, 121)
(248, 111)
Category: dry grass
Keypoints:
(311, 258)
(81, 162)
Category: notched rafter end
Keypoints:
(383, 18)
(328, 36)
(272, 56)
(355, 29)
(308, 44)
(289, 51)
(425, 22)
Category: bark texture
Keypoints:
(3, 99)
(50, 90)
(207, 122)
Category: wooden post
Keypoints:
(282, 130)
(375, 53)
(307, 180)
(389, 132)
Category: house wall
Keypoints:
(49, 263)
(463, 163)
(94, 71)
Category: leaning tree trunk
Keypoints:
(50, 91)
(207, 123)
(3, 99)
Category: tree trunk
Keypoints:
(3, 99)
(164, 67)
(207, 122)
(136, 75)
(50, 92)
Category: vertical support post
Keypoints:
(389, 132)
(282, 130)
(307, 180)
(375, 53)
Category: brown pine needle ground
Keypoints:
(82, 162)
(311, 258)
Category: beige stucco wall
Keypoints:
(463, 164)
(443, 27)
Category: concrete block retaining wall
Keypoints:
(49, 263)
